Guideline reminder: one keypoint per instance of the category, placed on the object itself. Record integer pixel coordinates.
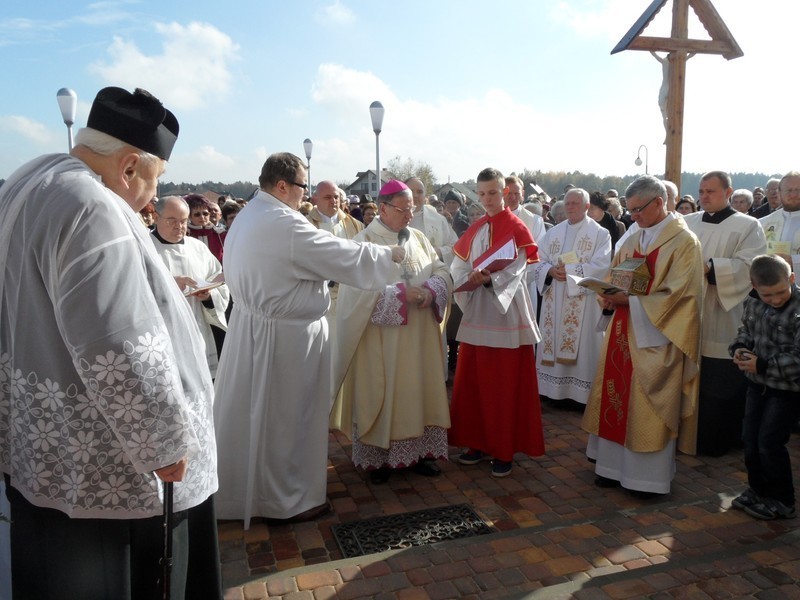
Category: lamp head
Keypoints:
(376, 111)
(67, 103)
(308, 145)
(638, 162)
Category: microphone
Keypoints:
(403, 235)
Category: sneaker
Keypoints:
(745, 499)
(473, 457)
(501, 468)
(769, 509)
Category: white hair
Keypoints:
(106, 145)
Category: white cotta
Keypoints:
(273, 381)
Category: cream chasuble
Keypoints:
(386, 376)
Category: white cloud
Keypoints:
(460, 136)
(29, 129)
(192, 71)
(336, 14)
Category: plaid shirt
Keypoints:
(773, 334)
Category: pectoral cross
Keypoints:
(406, 275)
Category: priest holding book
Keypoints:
(495, 410)
(566, 360)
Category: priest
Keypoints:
(191, 263)
(106, 393)
(643, 402)
(391, 403)
(273, 385)
(730, 241)
(566, 360)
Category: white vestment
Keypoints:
(782, 226)
(273, 386)
(535, 225)
(732, 245)
(102, 370)
(566, 360)
(192, 258)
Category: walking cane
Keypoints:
(166, 560)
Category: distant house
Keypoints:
(365, 183)
(465, 191)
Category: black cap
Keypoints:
(138, 119)
(454, 195)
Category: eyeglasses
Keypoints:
(405, 211)
(636, 211)
(300, 185)
(172, 222)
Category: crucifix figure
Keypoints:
(679, 48)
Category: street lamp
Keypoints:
(67, 102)
(307, 146)
(376, 112)
(638, 161)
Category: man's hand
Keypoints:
(420, 296)
(611, 301)
(204, 295)
(183, 282)
(480, 277)
(173, 472)
(558, 272)
(398, 253)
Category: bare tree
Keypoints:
(403, 169)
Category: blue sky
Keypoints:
(466, 84)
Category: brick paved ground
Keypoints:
(557, 535)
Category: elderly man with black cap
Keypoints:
(111, 396)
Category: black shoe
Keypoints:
(605, 482)
(380, 476)
(427, 468)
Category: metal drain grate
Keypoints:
(408, 529)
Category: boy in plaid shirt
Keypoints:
(767, 350)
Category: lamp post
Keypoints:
(376, 112)
(308, 145)
(68, 103)
(638, 161)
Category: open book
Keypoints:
(496, 258)
(600, 286)
(204, 286)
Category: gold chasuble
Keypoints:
(664, 379)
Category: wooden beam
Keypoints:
(677, 88)
(716, 27)
(662, 44)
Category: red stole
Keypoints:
(502, 226)
(618, 371)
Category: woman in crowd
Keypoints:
(200, 225)
(686, 205)
(598, 210)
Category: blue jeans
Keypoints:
(768, 420)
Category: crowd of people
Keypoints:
(214, 343)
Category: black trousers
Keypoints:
(55, 556)
(721, 406)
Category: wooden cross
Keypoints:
(679, 48)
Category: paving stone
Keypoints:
(279, 586)
(554, 527)
(255, 591)
(310, 581)
(442, 590)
